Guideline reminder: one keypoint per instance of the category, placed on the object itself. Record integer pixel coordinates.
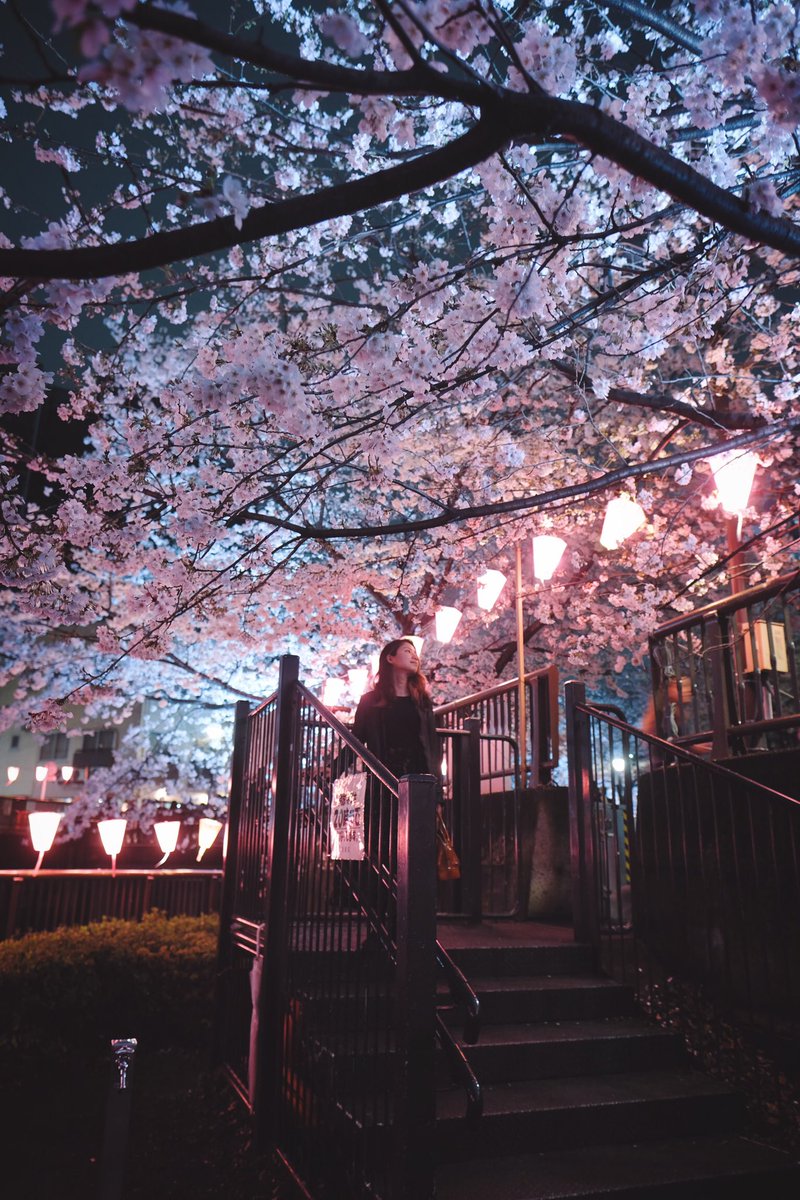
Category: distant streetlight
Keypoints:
(42, 826)
(45, 773)
(112, 833)
(12, 774)
(167, 835)
(67, 773)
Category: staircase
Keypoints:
(583, 1097)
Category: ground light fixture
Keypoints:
(112, 833)
(167, 836)
(547, 552)
(623, 517)
(42, 826)
(207, 833)
(447, 620)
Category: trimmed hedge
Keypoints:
(74, 988)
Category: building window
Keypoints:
(14, 741)
(54, 747)
(101, 739)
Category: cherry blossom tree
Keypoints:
(353, 298)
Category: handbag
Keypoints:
(448, 864)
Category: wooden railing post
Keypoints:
(272, 996)
(415, 1097)
(581, 841)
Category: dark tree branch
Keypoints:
(698, 416)
(505, 116)
(528, 503)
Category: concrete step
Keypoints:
(578, 1111)
(728, 1168)
(528, 998)
(492, 960)
(506, 1053)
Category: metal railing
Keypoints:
(36, 901)
(497, 709)
(725, 677)
(326, 1006)
(686, 878)
(495, 713)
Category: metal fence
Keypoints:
(32, 902)
(725, 677)
(495, 714)
(326, 1009)
(687, 879)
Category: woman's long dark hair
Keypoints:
(384, 684)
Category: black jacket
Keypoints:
(371, 726)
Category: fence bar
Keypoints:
(273, 989)
(415, 1105)
(581, 839)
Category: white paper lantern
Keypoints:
(623, 517)
(447, 620)
(490, 585)
(547, 552)
(733, 472)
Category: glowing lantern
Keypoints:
(547, 552)
(41, 773)
(733, 472)
(207, 832)
(112, 833)
(623, 517)
(358, 677)
(12, 774)
(374, 665)
(490, 585)
(447, 620)
(167, 834)
(43, 826)
(67, 773)
(332, 691)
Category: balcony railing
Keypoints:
(725, 677)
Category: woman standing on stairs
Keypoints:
(395, 720)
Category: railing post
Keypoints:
(581, 842)
(470, 750)
(720, 650)
(415, 1098)
(272, 998)
(241, 732)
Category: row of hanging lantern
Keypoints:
(43, 827)
(733, 472)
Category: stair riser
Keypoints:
(497, 1135)
(504, 1064)
(568, 959)
(570, 1004)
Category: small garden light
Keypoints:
(207, 832)
(167, 835)
(112, 833)
(43, 826)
